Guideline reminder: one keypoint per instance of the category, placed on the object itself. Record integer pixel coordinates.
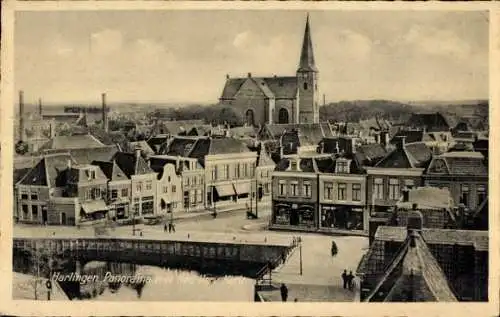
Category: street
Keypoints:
(321, 271)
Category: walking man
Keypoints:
(165, 228)
(344, 278)
(173, 227)
(350, 280)
(284, 292)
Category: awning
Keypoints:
(225, 190)
(242, 188)
(94, 206)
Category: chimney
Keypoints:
(69, 164)
(104, 113)
(401, 141)
(137, 151)
(177, 162)
(324, 99)
(227, 76)
(353, 145)
(378, 138)
(21, 115)
(249, 75)
(40, 107)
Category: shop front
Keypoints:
(342, 217)
(294, 214)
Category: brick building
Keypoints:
(277, 99)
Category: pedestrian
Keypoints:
(350, 280)
(165, 228)
(344, 278)
(284, 292)
(173, 228)
(296, 300)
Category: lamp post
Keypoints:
(300, 254)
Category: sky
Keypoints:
(184, 56)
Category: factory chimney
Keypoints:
(104, 113)
(21, 115)
(40, 107)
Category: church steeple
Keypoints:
(307, 63)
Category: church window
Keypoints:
(305, 86)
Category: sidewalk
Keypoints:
(330, 232)
(209, 213)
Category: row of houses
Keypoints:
(72, 186)
(343, 185)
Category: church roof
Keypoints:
(272, 87)
(307, 55)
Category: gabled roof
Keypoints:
(476, 238)
(72, 142)
(178, 146)
(263, 159)
(413, 155)
(130, 164)
(271, 87)
(144, 146)
(310, 132)
(214, 146)
(369, 154)
(432, 122)
(48, 171)
(411, 136)
(414, 275)
(460, 163)
(79, 174)
(305, 164)
(111, 170)
(86, 156)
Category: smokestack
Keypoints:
(104, 114)
(21, 115)
(324, 99)
(40, 107)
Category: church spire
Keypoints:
(307, 63)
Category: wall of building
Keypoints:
(455, 187)
(143, 191)
(32, 197)
(60, 208)
(164, 190)
(120, 200)
(250, 96)
(290, 105)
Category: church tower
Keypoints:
(307, 81)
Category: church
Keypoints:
(277, 99)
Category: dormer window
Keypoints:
(90, 174)
(342, 166)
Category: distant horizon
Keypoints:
(195, 103)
